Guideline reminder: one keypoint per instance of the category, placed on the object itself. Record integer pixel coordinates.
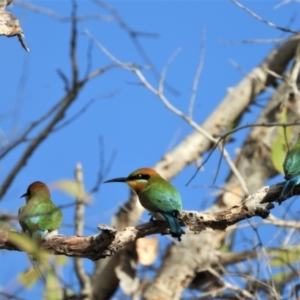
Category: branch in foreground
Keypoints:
(110, 241)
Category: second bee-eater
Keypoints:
(157, 195)
(291, 168)
(39, 217)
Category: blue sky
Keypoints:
(133, 122)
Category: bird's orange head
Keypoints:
(138, 180)
(35, 188)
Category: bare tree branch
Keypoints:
(52, 14)
(84, 279)
(82, 111)
(257, 17)
(103, 170)
(198, 73)
(110, 241)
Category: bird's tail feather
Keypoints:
(288, 188)
(175, 228)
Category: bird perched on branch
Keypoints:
(291, 168)
(157, 195)
(39, 217)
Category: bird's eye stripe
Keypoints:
(139, 176)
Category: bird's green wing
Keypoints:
(50, 216)
(291, 165)
(158, 198)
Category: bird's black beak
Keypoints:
(121, 179)
(24, 195)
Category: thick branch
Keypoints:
(110, 241)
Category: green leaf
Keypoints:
(26, 244)
(278, 153)
(61, 260)
(224, 248)
(279, 147)
(282, 276)
(5, 226)
(284, 257)
(53, 290)
(29, 277)
(23, 242)
(71, 188)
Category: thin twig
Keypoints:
(275, 124)
(272, 285)
(284, 2)
(103, 170)
(257, 17)
(198, 73)
(73, 45)
(253, 41)
(83, 110)
(33, 125)
(165, 68)
(52, 14)
(84, 279)
(10, 296)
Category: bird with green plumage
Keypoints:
(39, 217)
(291, 168)
(157, 195)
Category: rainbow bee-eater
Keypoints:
(157, 195)
(291, 168)
(39, 217)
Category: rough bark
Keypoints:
(110, 241)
